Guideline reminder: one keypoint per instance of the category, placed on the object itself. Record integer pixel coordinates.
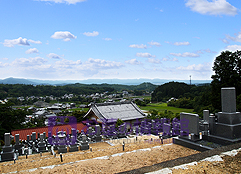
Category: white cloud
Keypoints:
(133, 62)
(233, 47)
(194, 67)
(69, 64)
(215, 7)
(35, 42)
(65, 1)
(142, 46)
(102, 64)
(65, 35)
(53, 56)
(186, 54)
(225, 41)
(19, 41)
(154, 60)
(196, 37)
(181, 43)
(165, 59)
(107, 39)
(168, 59)
(3, 64)
(32, 50)
(154, 43)
(237, 37)
(29, 62)
(175, 59)
(95, 33)
(148, 55)
(178, 43)
(205, 50)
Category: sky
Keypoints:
(116, 39)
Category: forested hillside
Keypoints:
(10, 90)
(186, 96)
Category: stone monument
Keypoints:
(228, 126)
(84, 144)
(97, 133)
(7, 153)
(42, 147)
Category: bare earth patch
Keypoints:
(114, 161)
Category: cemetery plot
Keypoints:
(115, 163)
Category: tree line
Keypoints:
(17, 90)
(227, 69)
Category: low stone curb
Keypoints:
(183, 160)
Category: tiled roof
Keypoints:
(123, 110)
(24, 132)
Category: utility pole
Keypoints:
(190, 80)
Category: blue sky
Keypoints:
(123, 39)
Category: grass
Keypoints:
(79, 109)
(161, 107)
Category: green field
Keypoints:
(161, 107)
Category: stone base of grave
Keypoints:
(145, 131)
(56, 147)
(221, 140)
(62, 149)
(18, 148)
(8, 156)
(43, 149)
(84, 146)
(227, 130)
(154, 132)
(229, 118)
(7, 153)
(73, 148)
(98, 139)
(193, 138)
(189, 144)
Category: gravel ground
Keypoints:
(104, 158)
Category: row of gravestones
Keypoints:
(62, 140)
(148, 126)
(59, 142)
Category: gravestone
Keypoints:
(84, 144)
(206, 116)
(33, 138)
(28, 139)
(228, 125)
(122, 131)
(38, 136)
(166, 130)
(73, 141)
(42, 147)
(175, 127)
(154, 127)
(193, 122)
(62, 148)
(97, 133)
(206, 121)
(90, 132)
(18, 145)
(7, 153)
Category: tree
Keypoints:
(227, 68)
(79, 115)
(11, 119)
(119, 122)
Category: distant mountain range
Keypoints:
(12, 80)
